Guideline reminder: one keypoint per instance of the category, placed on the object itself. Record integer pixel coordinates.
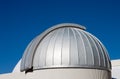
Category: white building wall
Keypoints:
(12, 76)
(60, 74)
(116, 72)
(116, 69)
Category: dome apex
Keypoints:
(62, 25)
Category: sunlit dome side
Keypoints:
(65, 46)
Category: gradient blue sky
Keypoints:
(21, 21)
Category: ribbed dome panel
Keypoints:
(65, 46)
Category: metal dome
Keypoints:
(65, 46)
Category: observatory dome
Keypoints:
(65, 46)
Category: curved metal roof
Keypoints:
(65, 45)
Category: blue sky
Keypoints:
(21, 21)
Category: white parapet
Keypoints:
(60, 74)
(116, 69)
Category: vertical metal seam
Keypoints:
(32, 44)
(54, 46)
(102, 55)
(46, 48)
(97, 50)
(79, 33)
(108, 58)
(105, 54)
(69, 44)
(69, 47)
(76, 44)
(89, 46)
(26, 52)
(100, 48)
(58, 50)
(77, 48)
(87, 34)
(105, 58)
(38, 55)
(62, 44)
(95, 47)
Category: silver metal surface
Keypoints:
(65, 45)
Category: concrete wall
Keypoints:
(60, 74)
(12, 76)
(116, 72)
(116, 69)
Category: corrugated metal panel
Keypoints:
(65, 45)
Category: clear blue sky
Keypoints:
(21, 21)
